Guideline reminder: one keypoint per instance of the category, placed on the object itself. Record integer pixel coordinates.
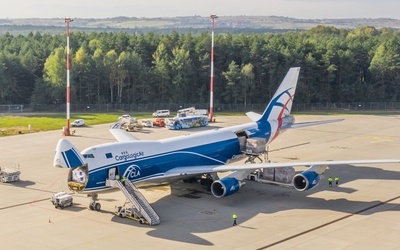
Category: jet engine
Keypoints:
(225, 187)
(306, 180)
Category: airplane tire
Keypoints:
(97, 206)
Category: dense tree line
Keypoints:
(338, 65)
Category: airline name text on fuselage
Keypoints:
(128, 156)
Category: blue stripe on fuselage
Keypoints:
(208, 154)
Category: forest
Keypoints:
(337, 65)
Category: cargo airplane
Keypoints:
(183, 157)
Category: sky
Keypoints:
(304, 9)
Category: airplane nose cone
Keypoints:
(67, 156)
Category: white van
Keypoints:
(78, 123)
(161, 113)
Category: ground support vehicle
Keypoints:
(159, 122)
(274, 176)
(9, 174)
(61, 200)
(191, 112)
(129, 212)
(187, 122)
(147, 123)
(132, 125)
(256, 152)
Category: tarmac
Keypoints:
(361, 213)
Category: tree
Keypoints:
(248, 82)
(386, 65)
(16, 82)
(162, 69)
(81, 70)
(100, 75)
(181, 74)
(233, 89)
(110, 65)
(42, 93)
(8, 85)
(55, 74)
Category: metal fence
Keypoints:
(19, 108)
(149, 108)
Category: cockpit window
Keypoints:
(88, 156)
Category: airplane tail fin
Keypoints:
(67, 156)
(281, 103)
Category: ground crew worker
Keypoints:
(330, 181)
(123, 180)
(234, 217)
(337, 180)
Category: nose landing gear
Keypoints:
(94, 205)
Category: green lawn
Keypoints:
(12, 125)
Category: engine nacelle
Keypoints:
(306, 180)
(225, 187)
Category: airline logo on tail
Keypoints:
(281, 103)
(278, 110)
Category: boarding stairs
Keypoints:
(139, 202)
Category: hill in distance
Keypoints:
(194, 24)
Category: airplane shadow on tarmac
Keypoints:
(190, 209)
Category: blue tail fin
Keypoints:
(281, 103)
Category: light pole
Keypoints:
(67, 130)
(212, 69)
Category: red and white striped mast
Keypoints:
(67, 130)
(212, 69)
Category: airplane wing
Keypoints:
(255, 117)
(122, 136)
(317, 166)
(306, 124)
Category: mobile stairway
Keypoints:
(139, 202)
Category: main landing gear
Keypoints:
(94, 205)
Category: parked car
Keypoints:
(78, 123)
(161, 113)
